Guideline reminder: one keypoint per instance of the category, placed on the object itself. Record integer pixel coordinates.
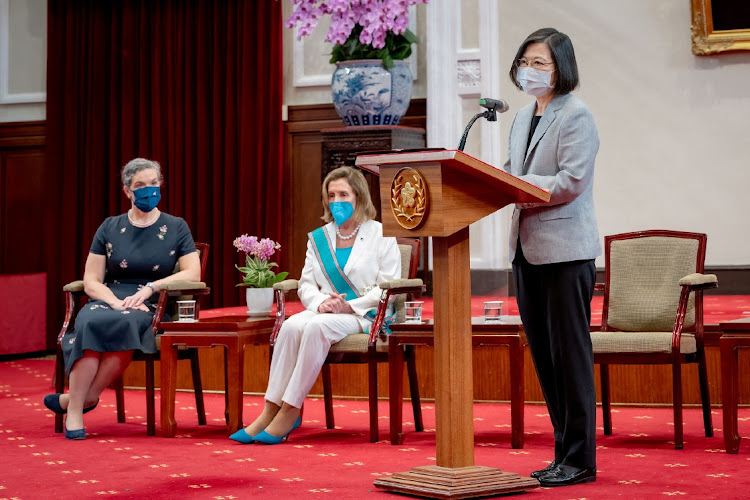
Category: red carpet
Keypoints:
(716, 308)
(120, 461)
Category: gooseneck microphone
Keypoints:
(497, 105)
(494, 106)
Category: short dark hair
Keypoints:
(563, 56)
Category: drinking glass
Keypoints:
(413, 312)
(493, 311)
(185, 311)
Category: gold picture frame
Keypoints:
(706, 41)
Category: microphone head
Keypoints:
(497, 105)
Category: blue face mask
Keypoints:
(341, 211)
(146, 198)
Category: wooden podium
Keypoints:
(439, 193)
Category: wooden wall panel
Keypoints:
(22, 187)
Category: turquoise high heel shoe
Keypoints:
(266, 438)
(242, 437)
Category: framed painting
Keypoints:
(720, 26)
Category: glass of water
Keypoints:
(413, 312)
(493, 311)
(186, 311)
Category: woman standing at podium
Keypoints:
(553, 145)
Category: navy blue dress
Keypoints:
(135, 256)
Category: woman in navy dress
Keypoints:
(132, 256)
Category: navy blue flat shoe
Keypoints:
(242, 437)
(77, 434)
(266, 438)
(52, 401)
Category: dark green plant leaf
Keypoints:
(397, 48)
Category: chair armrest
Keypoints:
(286, 285)
(71, 290)
(175, 289)
(279, 290)
(182, 285)
(389, 289)
(697, 281)
(400, 283)
(74, 287)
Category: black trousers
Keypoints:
(554, 301)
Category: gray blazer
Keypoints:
(560, 159)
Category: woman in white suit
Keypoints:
(553, 144)
(346, 260)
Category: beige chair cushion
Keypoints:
(643, 285)
(358, 343)
(637, 342)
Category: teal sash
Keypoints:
(335, 276)
(324, 251)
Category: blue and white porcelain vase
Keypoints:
(365, 93)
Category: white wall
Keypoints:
(23, 60)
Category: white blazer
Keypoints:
(374, 259)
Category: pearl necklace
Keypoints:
(142, 224)
(338, 233)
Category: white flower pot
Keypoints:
(259, 301)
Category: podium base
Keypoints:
(433, 481)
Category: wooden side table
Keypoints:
(735, 335)
(233, 333)
(508, 332)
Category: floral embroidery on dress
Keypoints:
(108, 247)
(124, 264)
(171, 253)
(155, 268)
(72, 340)
(126, 312)
(162, 232)
(98, 306)
(122, 230)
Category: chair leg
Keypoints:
(195, 368)
(411, 368)
(120, 399)
(59, 384)
(677, 403)
(606, 414)
(328, 395)
(150, 397)
(372, 369)
(703, 380)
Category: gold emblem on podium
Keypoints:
(409, 198)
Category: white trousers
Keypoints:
(300, 351)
